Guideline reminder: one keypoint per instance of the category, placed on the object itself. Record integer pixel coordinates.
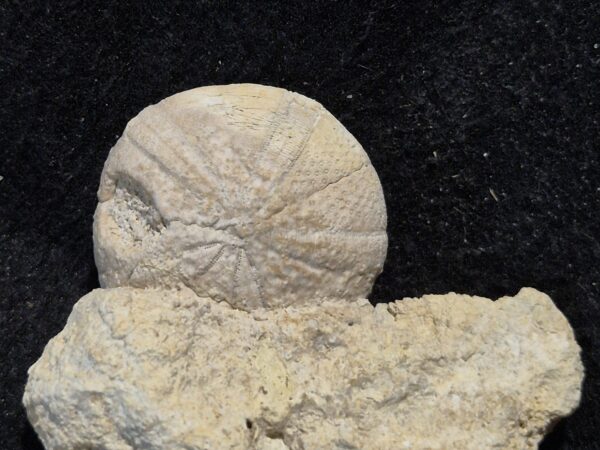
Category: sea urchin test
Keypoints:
(249, 194)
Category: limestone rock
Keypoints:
(160, 369)
(245, 193)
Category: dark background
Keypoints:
(480, 117)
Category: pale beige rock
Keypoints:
(152, 369)
(250, 194)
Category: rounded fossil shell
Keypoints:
(250, 194)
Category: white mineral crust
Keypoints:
(166, 369)
(245, 193)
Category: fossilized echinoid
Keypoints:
(246, 193)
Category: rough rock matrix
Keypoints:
(166, 369)
(248, 194)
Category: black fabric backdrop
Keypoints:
(480, 117)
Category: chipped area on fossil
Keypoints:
(245, 193)
(452, 372)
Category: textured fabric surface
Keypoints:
(480, 118)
